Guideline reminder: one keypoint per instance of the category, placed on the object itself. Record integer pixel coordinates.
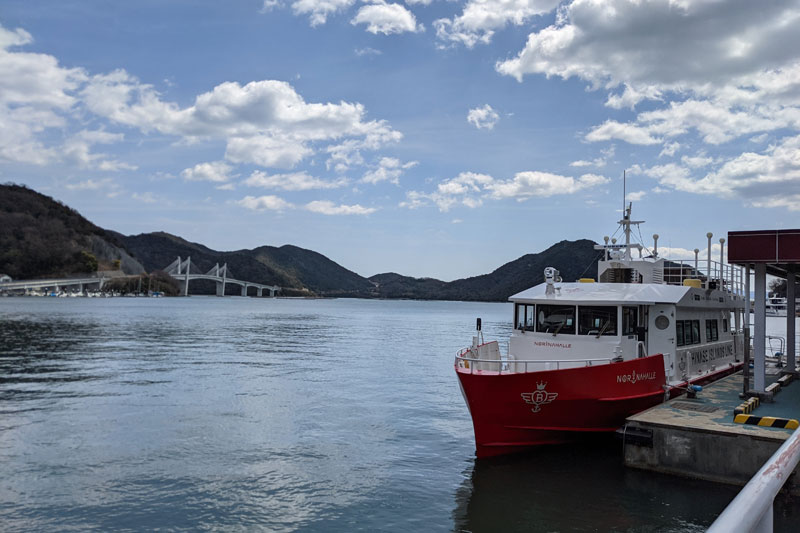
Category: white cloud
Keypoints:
(77, 150)
(530, 184)
(348, 152)
(389, 169)
(630, 97)
(326, 207)
(266, 151)
(598, 162)
(35, 95)
(470, 189)
(630, 133)
(483, 117)
(367, 51)
(481, 18)
(742, 78)
(768, 179)
(318, 10)
(262, 203)
(297, 181)
(18, 37)
(215, 171)
(669, 149)
(642, 44)
(91, 185)
(269, 5)
(697, 161)
(635, 196)
(145, 197)
(381, 17)
(265, 122)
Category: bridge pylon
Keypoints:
(222, 273)
(182, 271)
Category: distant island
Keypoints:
(41, 237)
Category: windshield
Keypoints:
(597, 320)
(555, 319)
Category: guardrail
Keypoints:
(726, 277)
(751, 509)
(468, 363)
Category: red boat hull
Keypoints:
(514, 411)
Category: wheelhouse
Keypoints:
(580, 322)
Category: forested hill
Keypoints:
(296, 270)
(40, 237)
(574, 259)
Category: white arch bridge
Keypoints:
(182, 271)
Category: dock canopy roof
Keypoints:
(778, 248)
(605, 293)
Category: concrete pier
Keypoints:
(698, 437)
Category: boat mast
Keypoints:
(626, 218)
(626, 222)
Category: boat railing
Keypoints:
(722, 276)
(774, 347)
(751, 509)
(511, 365)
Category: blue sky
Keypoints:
(429, 138)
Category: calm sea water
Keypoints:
(285, 415)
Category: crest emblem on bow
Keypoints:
(540, 397)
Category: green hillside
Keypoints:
(40, 237)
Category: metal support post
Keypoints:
(708, 280)
(760, 329)
(791, 338)
(747, 354)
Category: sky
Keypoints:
(430, 138)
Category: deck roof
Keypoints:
(605, 293)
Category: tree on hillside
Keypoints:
(777, 288)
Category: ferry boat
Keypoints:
(776, 306)
(585, 355)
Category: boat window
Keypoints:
(629, 320)
(687, 332)
(712, 333)
(695, 331)
(597, 320)
(525, 317)
(555, 319)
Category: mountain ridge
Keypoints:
(298, 271)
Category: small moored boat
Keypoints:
(585, 355)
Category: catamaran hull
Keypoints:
(514, 411)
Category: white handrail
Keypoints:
(751, 509)
(500, 362)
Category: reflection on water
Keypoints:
(582, 487)
(283, 415)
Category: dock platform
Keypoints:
(698, 438)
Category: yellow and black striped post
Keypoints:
(766, 421)
(746, 407)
